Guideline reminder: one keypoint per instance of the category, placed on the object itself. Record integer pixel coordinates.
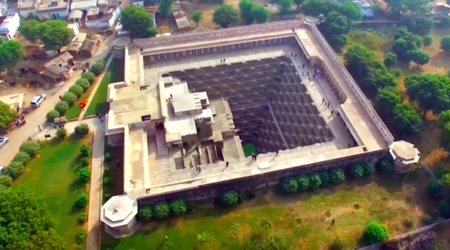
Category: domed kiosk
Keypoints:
(119, 216)
(119, 46)
(404, 154)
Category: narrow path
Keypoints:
(97, 83)
(95, 190)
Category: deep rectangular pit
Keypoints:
(270, 106)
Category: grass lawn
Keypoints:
(53, 174)
(302, 218)
(249, 149)
(114, 73)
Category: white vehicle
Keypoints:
(37, 100)
(1, 169)
(3, 141)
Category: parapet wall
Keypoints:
(222, 33)
(354, 87)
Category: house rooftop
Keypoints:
(51, 4)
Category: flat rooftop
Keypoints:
(359, 130)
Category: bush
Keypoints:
(161, 210)
(30, 147)
(61, 133)
(80, 236)
(107, 157)
(83, 83)
(408, 223)
(70, 98)
(22, 157)
(289, 185)
(357, 171)
(85, 150)
(84, 162)
(337, 245)
(76, 90)
(324, 178)
(52, 115)
(98, 67)
(82, 129)
(427, 219)
(178, 207)
(82, 200)
(336, 176)
(5, 180)
(369, 169)
(14, 169)
(62, 107)
(81, 218)
(385, 165)
(303, 182)
(88, 76)
(375, 232)
(84, 174)
(444, 209)
(435, 187)
(145, 213)
(314, 181)
(229, 198)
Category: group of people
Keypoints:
(20, 121)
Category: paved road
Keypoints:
(34, 119)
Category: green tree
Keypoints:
(88, 76)
(22, 157)
(26, 222)
(314, 181)
(260, 13)
(418, 41)
(390, 60)
(245, 10)
(427, 40)
(81, 129)
(356, 171)
(298, 3)
(76, 90)
(445, 21)
(11, 52)
(165, 7)
(54, 34)
(409, 7)
(289, 185)
(69, 98)
(84, 174)
(318, 7)
(145, 213)
(435, 187)
(225, 15)
(62, 107)
(285, 5)
(367, 69)
(14, 169)
(350, 10)
(178, 207)
(5, 180)
(375, 232)
(7, 115)
(445, 43)
(336, 27)
(431, 91)
(336, 176)
(407, 120)
(420, 57)
(29, 30)
(84, 82)
(420, 25)
(137, 21)
(82, 200)
(197, 16)
(97, 67)
(51, 115)
(161, 210)
(30, 147)
(303, 182)
(229, 198)
(386, 100)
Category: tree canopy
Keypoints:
(431, 91)
(367, 69)
(138, 22)
(11, 52)
(318, 7)
(197, 16)
(407, 120)
(285, 5)
(350, 10)
(386, 100)
(26, 223)
(445, 43)
(252, 12)
(28, 29)
(408, 7)
(54, 34)
(225, 15)
(165, 7)
(260, 13)
(7, 115)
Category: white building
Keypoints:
(44, 9)
(119, 216)
(9, 24)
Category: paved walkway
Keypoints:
(97, 83)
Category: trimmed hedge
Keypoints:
(84, 83)
(336, 176)
(62, 107)
(70, 98)
(52, 115)
(229, 198)
(30, 147)
(88, 76)
(76, 90)
(145, 213)
(98, 67)
(22, 157)
(178, 207)
(375, 232)
(161, 210)
(357, 171)
(82, 129)
(14, 169)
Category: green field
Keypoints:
(302, 218)
(53, 174)
(74, 111)
(114, 73)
